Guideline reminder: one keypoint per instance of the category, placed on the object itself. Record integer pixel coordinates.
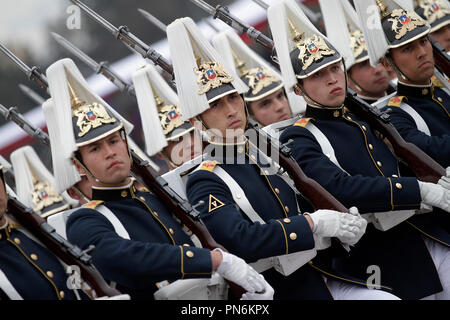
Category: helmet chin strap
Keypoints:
(316, 104)
(396, 69)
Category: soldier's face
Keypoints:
(442, 36)
(226, 117)
(326, 86)
(186, 148)
(415, 60)
(373, 81)
(108, 160)
(271, 109)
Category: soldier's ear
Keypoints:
(80, 169)
(73, 194)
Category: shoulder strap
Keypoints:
(118, 226)
(420, 122)
(8, 288)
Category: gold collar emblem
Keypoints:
(91, 116)
(434, 9)
(211, 75)
(260, 78)
(357, 43)
(404, 22)
(312, 49)
(44, 195)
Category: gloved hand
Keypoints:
(445, 180)
(330, 223)
(362, 228)
(267, 295)
(238, 271)
(435, 195)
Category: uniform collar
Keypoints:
(323, 113)
(369, 99)
(114, 193)
(410, 90)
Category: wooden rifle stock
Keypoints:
(67, 252)
(179, 207)
(441, 58)
(424, 167)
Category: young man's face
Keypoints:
(108, 160)
(271, 109)
(186, 148)
(226, 116)
(373, 81)
(442, 36)
(326, 86)
(415, 60)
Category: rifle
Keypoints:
(424, 167)
(441, 58)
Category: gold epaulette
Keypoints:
(93, 204)
(208, 165)
(302, 122)
(436, 82)
(395, 101)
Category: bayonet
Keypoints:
(32, 73)
(30, 93)
(130, 40)
(155, 21)
(224, 14)
(13, 115)
(99, 68)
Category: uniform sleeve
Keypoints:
(437, 147)
(134, 264)
(368, 194)
(229, 227)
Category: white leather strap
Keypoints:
(118, 226)
(420, 123)
(8, 288)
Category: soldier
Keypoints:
(158, 107)
(369, 83)
(437, 14)
(342, 153)
(420, 110)
(28, 270)
(139, 245)
(248, 207)
(266, 99)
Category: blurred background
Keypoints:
(25, 27)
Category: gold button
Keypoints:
(364, 128)
(238, 195)
(439, 99)
(379, 163)
(190, 254)
(277, 190)
(186, 244)
(240, 149)
(142, 198)
(293, 236)
(266, 172)
(253, 157)
(61, 294)
(287, 220)
(370, 146)
(349, 118)
(424, 91)
(395, 176)
(171, 231)
(286, 208)
(336, 114)
(124, 193)
(49, 274)
(0, 236)
(398, 185)
(156, 213)
(17, 240)
(34, 256)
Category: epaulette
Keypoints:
(93, 204)
(302, 122)
(436, 82)
(208, 165)
(395, 101)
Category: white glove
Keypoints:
(435, 195)
(330, 223)
(445, 180)
(267, 295)
(238, 271)
(362, 229)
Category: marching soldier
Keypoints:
(342, 153)
(420, 110)
(369, 83)
(248, 207)
(138, 243)
(437, 14)
(266, 99)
